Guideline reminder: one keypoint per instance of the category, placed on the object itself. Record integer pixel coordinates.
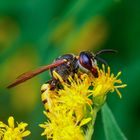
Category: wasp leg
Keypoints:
(47, 94)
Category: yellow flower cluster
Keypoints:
(106, 82)
(70, 109)
(10, 132)
(66, 111)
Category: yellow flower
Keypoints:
(66, 113)
(76, 95)
(106, 82)
(74, 105)
(10, 132)
(62, 125)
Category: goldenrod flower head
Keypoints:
(73, 105)
(75, 96)
(106, 82)
(10, 132)
(62, 125)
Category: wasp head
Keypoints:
(87, 62)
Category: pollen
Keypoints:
(10, 132)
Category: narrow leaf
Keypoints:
(111, 128)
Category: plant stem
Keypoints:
(90, 130)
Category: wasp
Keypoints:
(65, 65)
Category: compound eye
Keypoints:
(85, 60)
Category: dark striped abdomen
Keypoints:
(45, 95)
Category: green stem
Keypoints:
(90, 130)
(98, 103)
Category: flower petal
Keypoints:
(11, 122)
(85, 121)
(26, 133)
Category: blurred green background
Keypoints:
(34, 32)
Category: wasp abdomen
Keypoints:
(44, 95)
(47, 96)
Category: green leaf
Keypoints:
(111, 128)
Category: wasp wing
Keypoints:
(28, 75)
